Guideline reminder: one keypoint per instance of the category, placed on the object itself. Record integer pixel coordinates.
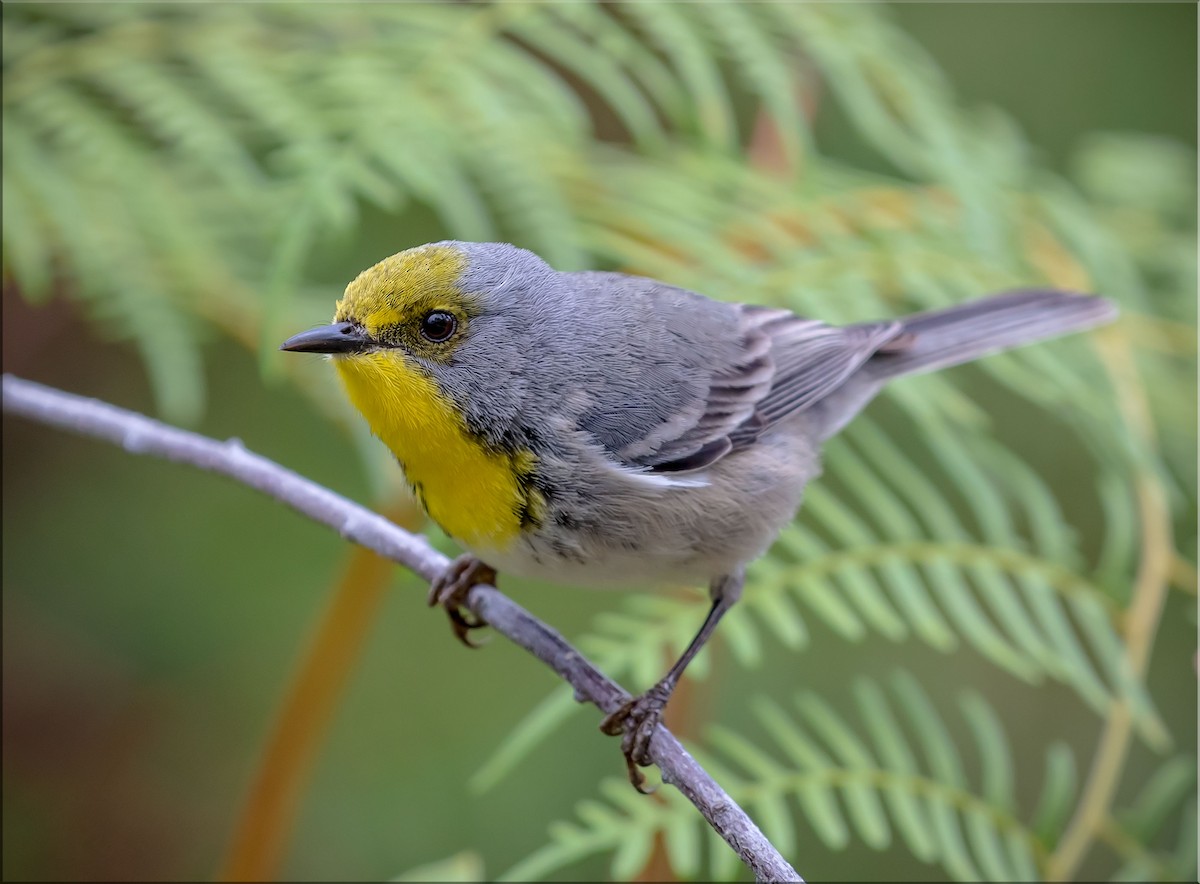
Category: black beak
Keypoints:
(340, 337)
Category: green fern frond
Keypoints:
(899, 561)
(567, 37)
(1136, 834)
(761, 59)
(670, 30)
(501, 146)
(173, 169)
(902, 777)
(464, 866)
(1161, 795)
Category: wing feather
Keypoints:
(720, 375)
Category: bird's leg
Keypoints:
(450, 588)
(637, 720)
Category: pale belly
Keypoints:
(627, 532)
(639, 547)
(608, 569)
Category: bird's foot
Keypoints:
(450, 588)
(636, 722)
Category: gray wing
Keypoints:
(706, 377)
(812, 360)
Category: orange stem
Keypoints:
(268, 816)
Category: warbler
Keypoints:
(595, 428)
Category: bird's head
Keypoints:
(463, 315)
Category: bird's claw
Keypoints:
(636, 722)
(449, 590)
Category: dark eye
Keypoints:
(438, 326)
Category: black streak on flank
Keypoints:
(525, 511)
(418, 491)
(525, 515)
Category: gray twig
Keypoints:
(141, 435)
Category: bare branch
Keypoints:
(141, 435)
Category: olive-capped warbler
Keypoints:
(597, 428)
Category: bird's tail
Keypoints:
(941, 338)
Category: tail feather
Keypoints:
(941, 338)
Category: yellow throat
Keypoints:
(479, 496)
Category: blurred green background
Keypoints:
(154, 615)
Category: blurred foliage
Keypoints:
(884, 791)
(189, 172)
(465, 866)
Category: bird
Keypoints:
(595, 428)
